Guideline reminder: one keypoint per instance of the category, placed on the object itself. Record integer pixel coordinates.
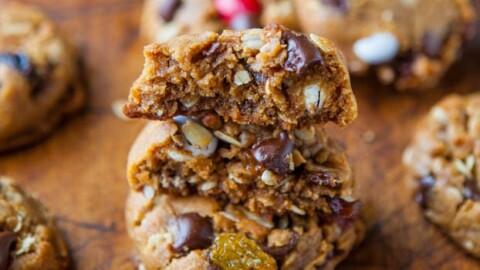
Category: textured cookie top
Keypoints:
(28, 237)
(444, 160)
(39, 78)
(269, 76)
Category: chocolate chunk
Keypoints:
(323, 178)
(193, 232)
(403, 65)
(279, 252)
(425, 184)
(432, 45)
(272, 153)
(301, 52)
(168, 9)
(471, 190)
(244, 21)
(341, 5)
(7, 243)
(343, 213)
(20, 62)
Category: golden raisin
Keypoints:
(236, 251)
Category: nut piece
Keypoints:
(242, 77)
(196, 134)
(313, 97)
(322, 43)
(252, 39)
(224, 137)
(269, 178)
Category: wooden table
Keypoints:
(79, 172)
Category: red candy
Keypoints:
(228, 9)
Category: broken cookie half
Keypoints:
(263, 77)
(267, 170)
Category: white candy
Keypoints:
(207, 152)
(376, 49)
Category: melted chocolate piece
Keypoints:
(343, 213)
(194, 232)
(279, 252)
(7, 243)
(272, 153)
(244, 21)
(403, 65)
(301, 52)
(341, 5)
(425, 184)
(324, 179)
(168, 9)
(432, 45)
(20, 62)
(471, 190)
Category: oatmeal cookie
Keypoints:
(28, 237)
(199, 233)
(39, 76)
(269, 76)
(166, 19)
(444, 162)
(408, 43)
(267, 170)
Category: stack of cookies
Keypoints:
(235, 170)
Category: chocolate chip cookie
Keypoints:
(408, 43)
(444, 161)
(39, 76)
(28, 237)
(267, 170)
(165, 19)
(269, 76)
(199, 233)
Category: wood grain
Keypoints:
(79, 172)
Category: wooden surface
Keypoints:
(79, 171)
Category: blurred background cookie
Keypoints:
(165, 19)
(444, 162)
(407, 43)
(29, 239)
(40, 82)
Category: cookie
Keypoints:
(166, 19)
(270, 76)
(28, 237)
(409, 44)
(199, 233)
(444, 162)
(39, 76)
(267, 170)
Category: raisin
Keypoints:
(236, 251)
